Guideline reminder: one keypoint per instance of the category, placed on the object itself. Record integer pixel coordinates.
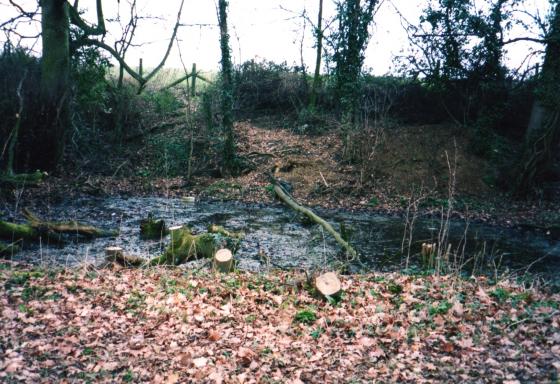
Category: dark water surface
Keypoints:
(276, 234)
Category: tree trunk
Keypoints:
(55, 79)
(543, 132)
(318, 55)
(229, 160)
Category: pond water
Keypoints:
(275, 236)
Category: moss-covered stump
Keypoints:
(186, 246)
(151, 229)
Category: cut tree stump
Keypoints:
(223, 260)
(328, 284)
(117, 255)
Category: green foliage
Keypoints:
(230, 162)
(162, 102)
(305, 317)
(222, 189)
(373, 202)
(348, 44)
(500, 294)
(17, 65)
(267, 86)
(21, 278)
(434, 202)
(440, 309)
(172, 155)
(317, 332)
(395, 289)
(128, 376)
(89, 75)
(33, 292)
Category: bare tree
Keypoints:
(56, 18)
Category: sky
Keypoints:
(259, 29)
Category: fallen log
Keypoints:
(36, 228)
(16, 232)
(218, 229)
(20, 179)
(185, 246)
(66, 227)
(289, 201)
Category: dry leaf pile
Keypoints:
(174, 326)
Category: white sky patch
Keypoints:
(259, 29)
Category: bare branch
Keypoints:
(77, 20)
(23, 11)
(531, 39)
(171, 40)
(87, 41)
(142, 80)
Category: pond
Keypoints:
(277, 237)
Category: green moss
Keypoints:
(152, 229)
(13, 232)
(185, 246)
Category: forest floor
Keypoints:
(411, 167)
(171, 326)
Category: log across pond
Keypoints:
(290, 202)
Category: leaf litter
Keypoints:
(172, 326)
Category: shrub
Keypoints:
(16, 65)
(268, 86)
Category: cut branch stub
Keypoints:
(328, 284)
(223, 260)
